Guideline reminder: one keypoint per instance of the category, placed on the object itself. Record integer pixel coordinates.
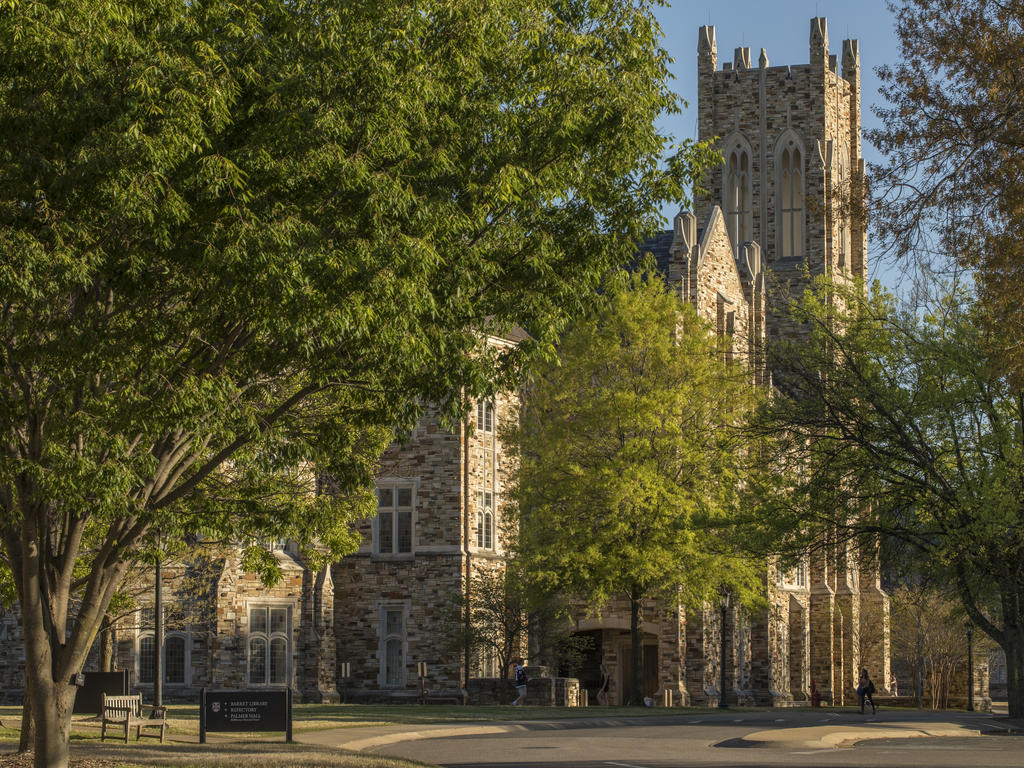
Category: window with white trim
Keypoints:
(392, 673)
(485, 519)
(393, 526)
(269, 644)
(800, 576)
(485, 416)
(790, 196)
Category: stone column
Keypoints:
(874, 624)
(701, 670)
(822, 619)
(849, 634)
(799, 648)
(672, 656)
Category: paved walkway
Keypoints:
(787, 729)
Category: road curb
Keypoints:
(840, 736)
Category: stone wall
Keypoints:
(459, 476)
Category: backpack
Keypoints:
(520, 676)
(870, 688)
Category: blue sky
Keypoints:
(782, 27)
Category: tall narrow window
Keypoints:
(739, 210)
(269, 643)
(174, 659)
(393, 637)
(485, 519)
(485, 416)
(147, 659)
(845, 211)
(394, 519)
(790, 195)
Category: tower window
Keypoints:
(739, 209)
(485, 520)
(845, 209)
(791, 199)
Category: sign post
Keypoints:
(344, 670)
(236, 711)
(421, 670)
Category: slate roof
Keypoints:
(658, 245)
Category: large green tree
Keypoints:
(899, 424)
(951, 190)
(630, 469)
(242, 239)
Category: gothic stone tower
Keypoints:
(790, 137)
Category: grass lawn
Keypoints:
(147, 754)
(184, 718)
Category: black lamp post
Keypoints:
(158, 634)
(724, 604)
(970, 668)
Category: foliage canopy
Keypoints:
(894, 425)
(630, 467)
(952, 187)
(240, 240)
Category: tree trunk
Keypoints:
(51, 711)
(27, 737)
(636, 684)
(1014, 648)
(106, 644)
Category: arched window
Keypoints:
(485, 519)
(269, 641)
(739, 208)
(485, 416)
(176, 652)
(790, 196)
(844, 246)
(393, 642)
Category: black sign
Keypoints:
(89, 700)
(257, 710)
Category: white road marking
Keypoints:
(625, 765)
(780, 720)
(738, 721)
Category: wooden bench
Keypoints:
(444, 697)
(126, 712)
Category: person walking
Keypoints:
(865, 691)
(520, 683)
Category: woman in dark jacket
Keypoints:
(865, 689)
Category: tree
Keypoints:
(952, 189)
(894, 425)
(629, 468)
(929, 638)
(245, 242)
(498, 620)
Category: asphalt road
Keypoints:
(737, 738)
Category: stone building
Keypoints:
(790, 136)
(777, 213)
(223, 629)
(440, 496)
